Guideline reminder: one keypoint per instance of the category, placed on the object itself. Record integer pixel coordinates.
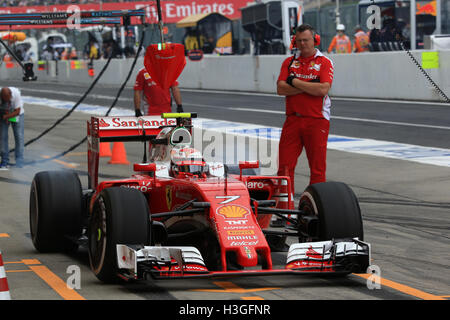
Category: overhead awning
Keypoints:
(192, 21)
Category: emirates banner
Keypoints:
(172, 10)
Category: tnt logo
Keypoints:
(236, 222)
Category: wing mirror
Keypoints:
(144, 167)
(247, 165)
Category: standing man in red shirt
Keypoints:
(156, 99)
(305, 81)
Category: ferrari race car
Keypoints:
(179, 216)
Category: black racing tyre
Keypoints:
(56, 208)
(234, 169)
(119, 216)
(337, 208)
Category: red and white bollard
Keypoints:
(4, 290)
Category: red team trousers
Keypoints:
(304, 132)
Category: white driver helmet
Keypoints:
(188, 160)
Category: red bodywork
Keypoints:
(238, 227)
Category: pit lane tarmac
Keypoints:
(404, 205)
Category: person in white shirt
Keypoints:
(12, 113)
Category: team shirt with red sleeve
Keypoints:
(316, 68)
(156, 99)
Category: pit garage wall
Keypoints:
(386, 75)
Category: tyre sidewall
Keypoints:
(127, 222)
(337, 208)
(55, 209)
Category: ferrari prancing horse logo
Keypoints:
(169, 197)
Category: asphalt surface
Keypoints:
(405, 205)
(423, 124)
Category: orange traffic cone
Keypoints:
(105, 150)
(4, 290)
(119, 154)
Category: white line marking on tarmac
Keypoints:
(387, 149)
(75, 94)
(432, 103)
(97, 96)
(427, 155)
(354, 119)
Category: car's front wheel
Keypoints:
(119, 216)
(337, 208)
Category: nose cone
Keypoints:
(247, 256)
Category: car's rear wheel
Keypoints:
(337, 208)
(119, 216)
(56, 208)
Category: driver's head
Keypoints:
(191, 168)
(188, 161)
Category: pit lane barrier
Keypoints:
(377, 75)
(4, 289)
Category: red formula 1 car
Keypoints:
(179, 216)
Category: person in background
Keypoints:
(156, 99)
(340, 43)
(361, 43)
(12, 113)
(93, 50)
(209, 45)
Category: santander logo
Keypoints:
(149, 122)
(103, 124)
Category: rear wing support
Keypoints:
(120, 128)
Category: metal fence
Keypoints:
(324, 21)
(445, 17)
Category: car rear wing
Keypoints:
(121, 128)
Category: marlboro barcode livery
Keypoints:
(180, 216)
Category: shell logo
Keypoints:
(233, 211)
